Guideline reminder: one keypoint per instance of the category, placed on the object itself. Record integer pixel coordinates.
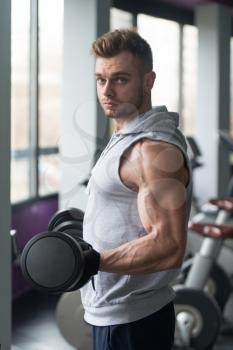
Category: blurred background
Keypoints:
(52, 130)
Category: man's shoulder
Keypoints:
(147, 150)
(149, 147)
(160, 159)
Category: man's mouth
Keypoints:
(110, 104)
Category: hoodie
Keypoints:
(112, 218)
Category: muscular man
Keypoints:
(139, 202)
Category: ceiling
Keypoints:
(177, 10)
(190, 4)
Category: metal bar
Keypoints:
(5, 144)
(27, 152)
(33, 99)
(134, 20)
(158, 8)
(181, 69)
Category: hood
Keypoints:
(159, 123)
(154, 120)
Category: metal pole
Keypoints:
(33, 99)
(5, 207)
(180, 101)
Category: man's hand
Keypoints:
(213, 230)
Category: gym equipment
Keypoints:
(218, 284)
(206, 212)
(67, 220)
(194, 152)
(227, 140)
(195, 157)
(59, 261)
(14, 247)
(198, 316)
(69, 318)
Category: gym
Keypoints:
(53, 132)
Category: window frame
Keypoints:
(33, 152)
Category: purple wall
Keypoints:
(29, 219)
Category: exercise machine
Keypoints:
(198, 313)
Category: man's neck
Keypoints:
(121, 123)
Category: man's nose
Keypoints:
(108, 89)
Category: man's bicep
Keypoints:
(162, 197)
(162, 203)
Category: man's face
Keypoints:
(119, 85)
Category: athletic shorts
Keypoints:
(154, 332)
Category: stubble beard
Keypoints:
(126, 110)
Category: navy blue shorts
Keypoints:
(154, 332)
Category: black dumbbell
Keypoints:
(65, 217)
(59, 261)
(68, 221)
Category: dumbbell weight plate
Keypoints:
(74, 228)
(52, 262)
(206, 313)
(218, 284)
(72, 214)
(70, 321)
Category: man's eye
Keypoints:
(121, 80)
(100, 81)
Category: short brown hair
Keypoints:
(112, 43)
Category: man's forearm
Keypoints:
(141, 256)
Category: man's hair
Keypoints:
(112, 43)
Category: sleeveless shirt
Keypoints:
(112, 218)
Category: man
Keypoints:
(139, 202)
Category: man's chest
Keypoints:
(130, 167)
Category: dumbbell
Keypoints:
(59, 260)
(68, 220)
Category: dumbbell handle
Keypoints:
(14, 247)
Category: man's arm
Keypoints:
(162, 179)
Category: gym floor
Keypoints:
(34, 326)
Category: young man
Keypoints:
(138, 207)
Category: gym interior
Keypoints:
(52, 132)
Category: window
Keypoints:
(120, 19)
(176, 82)
(36, 97)
(189, 88)
(163, 37)
(20, 100)
(35, 166)
(50, 90)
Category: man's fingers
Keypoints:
(213, 230)
(226, 203)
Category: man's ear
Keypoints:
(149, 79)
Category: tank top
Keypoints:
(112, 218)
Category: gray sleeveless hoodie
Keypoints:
(112, 218)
